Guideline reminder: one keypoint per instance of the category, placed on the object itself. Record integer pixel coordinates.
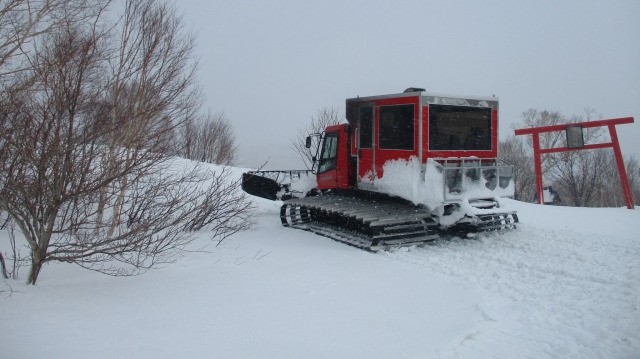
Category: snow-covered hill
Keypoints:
(565, 284)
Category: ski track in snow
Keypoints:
(574, 295)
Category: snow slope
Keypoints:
(571, 277)
(565, 284)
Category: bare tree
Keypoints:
(324, 117)
(208, 139)
(23, 22)
(20, 22)
(515, 152)
(3, 267)
(151, 90)
(86, 173)
(15, 257)
(536, 118)
(608, 192)
(577, 174)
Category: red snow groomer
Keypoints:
(405, 168)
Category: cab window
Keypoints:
(366, 127)
(396, 127)
(329, 155)
(459, 128)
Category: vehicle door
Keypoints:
(327, 163)
(397, 128)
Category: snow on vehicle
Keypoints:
(406, 168)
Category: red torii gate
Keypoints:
(575, 142)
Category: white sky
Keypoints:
(269, 65)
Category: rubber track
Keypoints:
(378, 224)
(361, 222)
(497, 221)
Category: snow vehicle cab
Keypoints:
(405, 168)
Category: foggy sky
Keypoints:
(270, 65)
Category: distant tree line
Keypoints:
(587, 178)
(96, 99)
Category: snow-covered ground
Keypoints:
(565, 284)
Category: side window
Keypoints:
(328, 158)
(455, 128)
(396, 127)
(366, 127)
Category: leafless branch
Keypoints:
(324, 117)
(87, 135)
(208, 139)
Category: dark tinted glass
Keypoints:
(366, 126)
(396, 127)
(459, 128)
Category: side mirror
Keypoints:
(307, 143)
(314, 159)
